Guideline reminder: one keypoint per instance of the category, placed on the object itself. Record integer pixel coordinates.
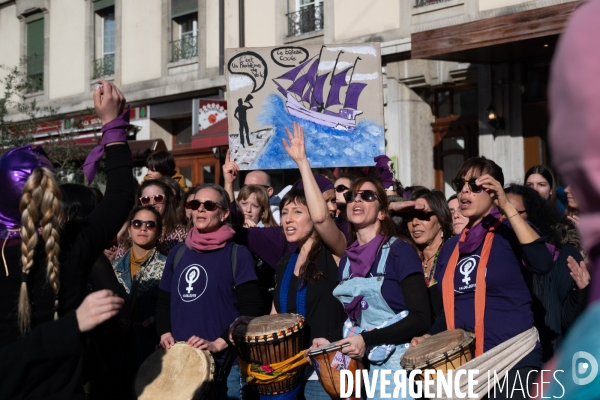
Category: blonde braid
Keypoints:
(30, 202)
(51, 210)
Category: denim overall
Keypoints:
(374, 312)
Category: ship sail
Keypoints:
(318, 90)
(337, 81)
(352, 94)
(298, 86)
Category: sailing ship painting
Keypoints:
(304, 97)
(335, 93)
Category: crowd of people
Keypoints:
(94, 283)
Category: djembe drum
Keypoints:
(268, 340)
(445, 351)
(328, 361)
(181, 372)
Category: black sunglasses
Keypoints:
(158, 199)
(209, 205)
(459, 183)
(365, 195)
(341, 188)
(420, 215)
(137, 224)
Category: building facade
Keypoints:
(446, 64)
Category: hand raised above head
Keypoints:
(109, 102)
(230, 169)
(296, 149)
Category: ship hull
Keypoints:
(329, 119)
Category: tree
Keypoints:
(62, 149)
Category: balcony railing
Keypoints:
(308, 19)
(185, 48)
(423, 3)
(104, 66)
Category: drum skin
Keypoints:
(323, 360)
(181, 372)
(444, 352)
(271, 339)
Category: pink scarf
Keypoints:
(202, 242)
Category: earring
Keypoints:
(442, 234)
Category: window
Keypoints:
(455, 101)
(308, 18)
(184, 16)
(35, 51)
(182, 130)
(105, 40)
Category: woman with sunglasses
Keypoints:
(139, 271)
(429, 229)
(207, 283)
(481, 273)
(342, 185)
(380, 284)
(158, 195)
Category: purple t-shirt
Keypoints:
(508, 300)
(203, 300)
(403, 260)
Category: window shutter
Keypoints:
(100, 4)
(35, 45)
(183, 7)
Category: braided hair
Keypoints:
(41, 199)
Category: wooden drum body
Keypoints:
(328, 361)
(271, 339)
(181, 372)
(444, 352)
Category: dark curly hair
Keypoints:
(550, 222)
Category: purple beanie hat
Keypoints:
(16, 165)
(324, 183)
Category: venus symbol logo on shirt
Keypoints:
(191, 276)
(192, 282)
(465, 267)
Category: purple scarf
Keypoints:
(361, 260)
(476, 235)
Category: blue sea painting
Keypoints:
(325, 147)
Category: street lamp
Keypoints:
(495, 121)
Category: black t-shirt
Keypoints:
(325, 315)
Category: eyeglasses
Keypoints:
(459, 183)
(366, 195)
(158, 199)
(420, 215)
(341, 188)
(137, 224)
(209, 205)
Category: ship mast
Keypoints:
(353, 68)
(334, 67)
(312, 95)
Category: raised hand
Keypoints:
(296, 149)
(579, 272)
(405, 206)
(230, 169)
(108, 101)
(494, 189)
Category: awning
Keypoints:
(140, 149)
(519, 36)
(213, 136)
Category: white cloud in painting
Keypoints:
(369, 50)
(362, 77)
(328, 65)
(237, 82)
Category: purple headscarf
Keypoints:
(16, 166)
(382, 163)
